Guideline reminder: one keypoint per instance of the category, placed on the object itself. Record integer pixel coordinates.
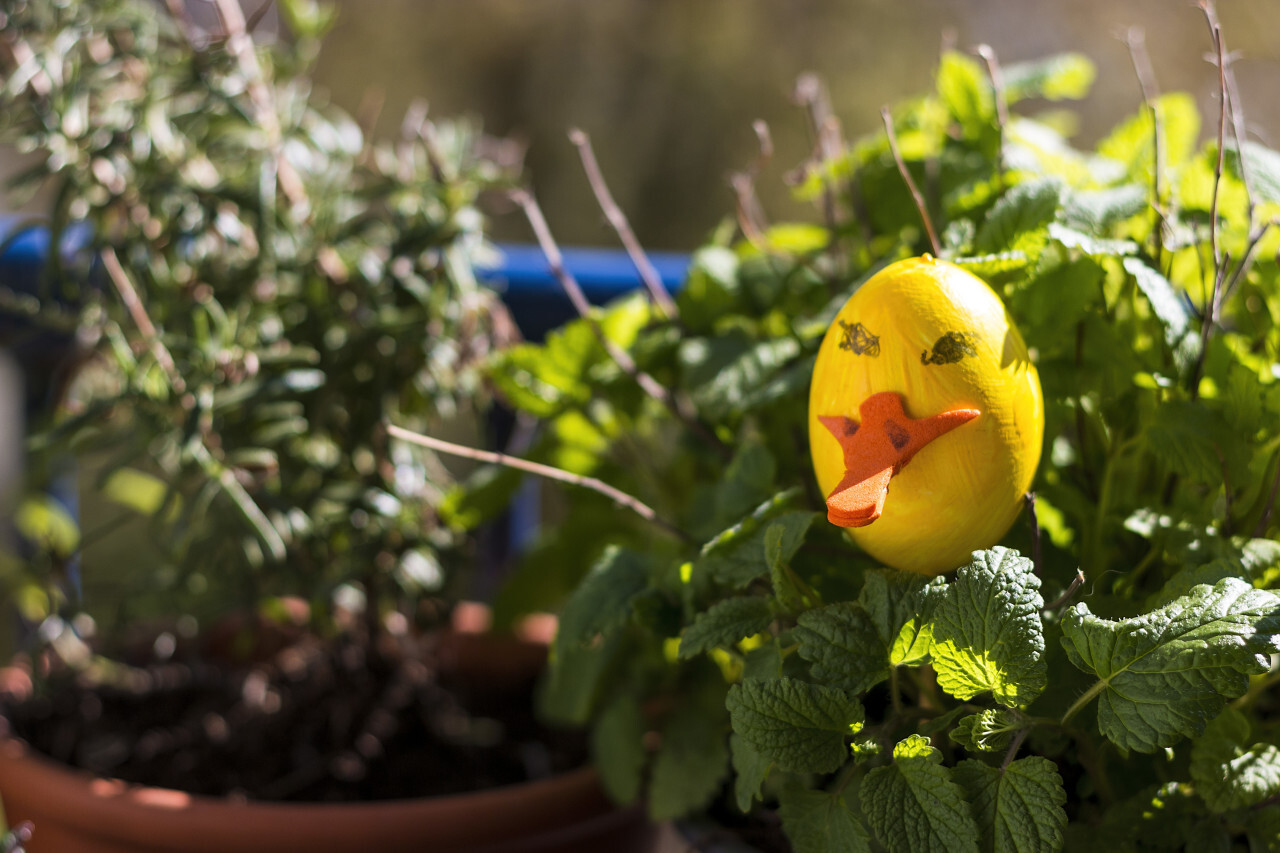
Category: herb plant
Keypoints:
(263, 289)
(1104, 677)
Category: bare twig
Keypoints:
(911, 185)
(810, 94)
(1014, 747)
(1076, 583)
(240, 46)
(1030, 498)
(618, 220)
(988, 55)
(751, 217)
(617, 496)
(138, 313)
(1135, 39)
(573, 290)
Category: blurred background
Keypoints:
(668, 89)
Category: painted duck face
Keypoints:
(925, 417)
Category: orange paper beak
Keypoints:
(876, 449)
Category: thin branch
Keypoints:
(1030, 498)
(751, 217)
(1260, 529)
(1014, 747)
(810, 94)
(138, 313)
(619, 356)
(988, 55)
(1136, 40)
(617, 496)
(911, 185)
(240, 45)
(1062, 600)
(600, 188)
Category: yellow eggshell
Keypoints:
(941, 338)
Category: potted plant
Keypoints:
(1102, 675)
(263, 290)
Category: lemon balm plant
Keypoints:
(1098, 677)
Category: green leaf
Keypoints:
(987, 634)
(1263, 827)
(1132, 143)
(966, 92)
(737, 556)
(1195, 441)
(1019, 808)
(1228, 772)
(1263, 166)
(750, 769)
(1018, 221)
(691, 764)
(1057, 77)
(843, 646)
(1165, 674)
(42, 520)
(989, 730)
(724, 624)
(901, 606)
(617, 748)
(1165, 300)
(913, 806)
(139, 491)
(602, 600)
(734, 386)
(818, 822)
(801, 727)
(1092, 246)
(1099, 211)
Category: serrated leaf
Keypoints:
(1026, 209)
(819, 822)
(966, 92)
(988, 730)
(913, 806)
(1195, 441)
(901, 606)
(1165, 300)
(734, 385)
(799, 726)
(1228, 772)
(602, 600)
(1091, 246)
(843, 647)
(1132, 143)
(1098, 211)
(1263, 166)
(617, 748)
(690, 765)
(725, 623)
(750, 769)
(1165, 674)
(737, 556)
(1057, 77)
(1019, 808)
(987, 634)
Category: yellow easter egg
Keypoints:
(925, 417)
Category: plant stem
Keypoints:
(619, 356)
(617, 496)
(618, 219)
(138, 313)
(911, 184)
(1085, 698)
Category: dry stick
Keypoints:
(1219, 273)
(826, 131)
(911, 185)
(493, 457)
(647, 383)
(138, 313)
(1136, 41)
(240, 46)
(988, 55)
(618, 220)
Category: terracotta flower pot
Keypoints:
(75, 812)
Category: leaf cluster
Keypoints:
(759, 661)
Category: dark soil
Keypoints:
(313, 722)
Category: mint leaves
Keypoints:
(801, 727)
(986, 631)
(1165, 674)
(914, 806)
(1019, 807)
